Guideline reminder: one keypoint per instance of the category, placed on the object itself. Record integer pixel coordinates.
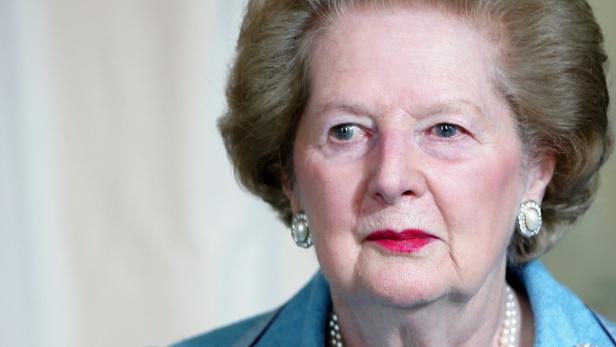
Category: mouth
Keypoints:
(406, 241)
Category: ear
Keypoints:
(540, 172)
(290, 190)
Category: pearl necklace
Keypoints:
(509, 332)
(507, 336)
(335, 334)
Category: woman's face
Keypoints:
(407, 163)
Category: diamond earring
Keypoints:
(529, 219)
(300, 230)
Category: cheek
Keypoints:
(329, 193)
(482, 202)
(496, 180)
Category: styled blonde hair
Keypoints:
(551, 73)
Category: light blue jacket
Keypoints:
(561, 319)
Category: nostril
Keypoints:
(392, 198)
(383, 198)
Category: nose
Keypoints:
(397, 173)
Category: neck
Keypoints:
(455, 319)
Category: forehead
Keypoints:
(414, 55)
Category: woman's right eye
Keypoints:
(346, 132)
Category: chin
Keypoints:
(401, 281)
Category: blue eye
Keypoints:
(445, 130)
(344, 132)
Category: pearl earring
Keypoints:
(529, 219)
(300, 230)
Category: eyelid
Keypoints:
(345, 118)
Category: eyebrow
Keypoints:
(448, 106)
(355, 109)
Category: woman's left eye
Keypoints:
(445, 130)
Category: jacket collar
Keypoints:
(561, 318)
(302, 321)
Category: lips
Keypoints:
(406, 241)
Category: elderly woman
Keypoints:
(430, 150)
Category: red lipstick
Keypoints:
(406, 241)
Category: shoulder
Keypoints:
(560, 316)
(300, 321)
(230, 335)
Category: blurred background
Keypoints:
(121, 223)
